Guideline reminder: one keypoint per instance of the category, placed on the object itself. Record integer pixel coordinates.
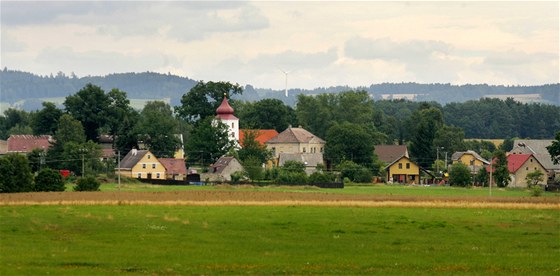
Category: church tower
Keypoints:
(224, 113)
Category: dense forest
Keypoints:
(25, 90)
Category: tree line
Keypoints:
(351, 122)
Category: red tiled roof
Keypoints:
(173, 166)
(26, 143)
(263, 135)
(515, 161)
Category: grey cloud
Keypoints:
(40, 12)
(183, 20)
(102, 61)
(385, 49)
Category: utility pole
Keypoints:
(119, 168)
(490, 180)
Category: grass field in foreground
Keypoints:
(376, 189)
(179, 240)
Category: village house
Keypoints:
(519, 165)
(538, 149)
(298, 141)
(141, 164)
(222, 169)
(389, 153)
(403, 170)
(175, 168)
(471, 159)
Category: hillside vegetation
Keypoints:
(27, 90)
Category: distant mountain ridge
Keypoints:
(27, 91)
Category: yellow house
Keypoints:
(403, 170)
(141, 164)
(470, 158)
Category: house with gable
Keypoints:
(175, 168)
(471, 159)
(519, 165)
(538, 149)
(222, 169)
(389, 153)
(141, 164)
(297, 141)
(403, 170)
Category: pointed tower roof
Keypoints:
(225, 111)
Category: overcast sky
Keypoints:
(321, 43)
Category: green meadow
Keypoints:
(187, 240)
(375, 189)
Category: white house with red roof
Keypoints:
(224, 113)
(519, 166)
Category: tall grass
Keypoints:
(265, 240)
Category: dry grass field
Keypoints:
(273, 198)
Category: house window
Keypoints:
(153, 166)
(408, 165)
(321, 149)
(157, 175)
(143, 166)
(531, 160)
(149, 156)
(232, 125)
(412, 177)
(400, 165)
(527, 168)
(303, 149)
(139, 175)
(273, 150)
(472, 162)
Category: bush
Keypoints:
(88, 183)
(536, 190)
(355, 172)
(318, 177)
(460, 175)
(237, 176)
(290, 177)
(271, 174)
(49, 180)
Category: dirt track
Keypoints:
(261, 198)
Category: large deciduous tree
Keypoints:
(267, 114)
(460, 175)
(89, 106)
(429, 121)
(15, 174)
(204, 98)
(347, 141)
(45, 120)
(157, 127)
(251, 148)
(209, 140)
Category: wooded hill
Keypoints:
(27, 90)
